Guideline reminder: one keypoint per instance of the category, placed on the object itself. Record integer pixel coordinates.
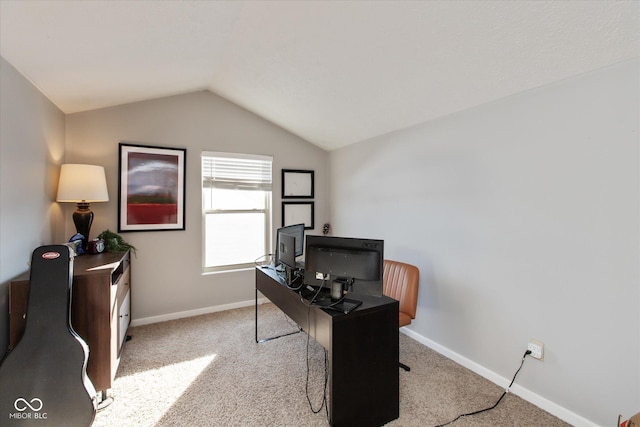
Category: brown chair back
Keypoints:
(400, 282)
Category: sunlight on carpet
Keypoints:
(175, 377)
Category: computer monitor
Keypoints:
(286, 250)
(356, 265)
(297, 231)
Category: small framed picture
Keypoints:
(297, 184)
(151, 188)
(298, 213)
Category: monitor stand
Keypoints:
(346, 305)
(338, 300)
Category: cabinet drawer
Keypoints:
(120, 288)
(122, 267)
(124, 313)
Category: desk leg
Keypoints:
(271, 338)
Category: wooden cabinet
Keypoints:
(100, 311)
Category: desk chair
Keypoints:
(400, 282)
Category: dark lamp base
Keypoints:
(82, 218)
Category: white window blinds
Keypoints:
(236, 171)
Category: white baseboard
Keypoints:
(531, 397)
(196, 312)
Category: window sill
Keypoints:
(223, 270)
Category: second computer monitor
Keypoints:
(297, 232)
(286, 250)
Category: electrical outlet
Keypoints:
(537, 349)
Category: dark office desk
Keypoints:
(362, 346)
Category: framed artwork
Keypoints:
(151, 188)
(298, 213)
(297, 184)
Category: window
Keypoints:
(236, 210)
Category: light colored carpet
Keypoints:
(208, 371)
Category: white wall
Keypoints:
(167, 271)
(31, 150)
(523, 217)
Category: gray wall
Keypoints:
(31, 150)
(167, 275)
(522, 216)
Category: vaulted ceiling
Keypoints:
(332, 72)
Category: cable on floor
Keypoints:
(499, 400)
(323, 403)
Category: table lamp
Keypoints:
(82, 184)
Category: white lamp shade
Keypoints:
(82, 183)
